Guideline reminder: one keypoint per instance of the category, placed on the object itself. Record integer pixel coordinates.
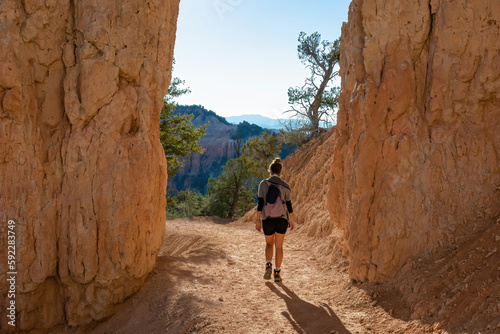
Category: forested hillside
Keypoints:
(222, 142)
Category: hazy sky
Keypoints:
(240, 56)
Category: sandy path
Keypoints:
(208, 279)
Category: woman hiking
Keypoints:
(274, 215)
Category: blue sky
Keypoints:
(240, 56)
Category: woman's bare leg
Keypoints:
(278, 243)
(269, 247)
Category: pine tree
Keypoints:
(315, 101)
(178, 135)
(259, 152)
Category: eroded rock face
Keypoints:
(83, 173)
(417, 152)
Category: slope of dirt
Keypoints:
(460, 288)
(457, 291)
(208, 279)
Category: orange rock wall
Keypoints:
(417, 152)
(83, 173)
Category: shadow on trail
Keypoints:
(306, 317)
(163, 305)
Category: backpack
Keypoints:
(275, 206)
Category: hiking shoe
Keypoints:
(277, 277)
(269, 271)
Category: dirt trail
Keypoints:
(208, 279)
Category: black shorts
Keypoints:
(272, 225)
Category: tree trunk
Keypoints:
(314, 108)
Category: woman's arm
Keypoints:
(260, 206)
(258, 222)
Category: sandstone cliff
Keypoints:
(83, 173)
(416, 169)
(219, 148)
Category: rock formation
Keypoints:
(416, 157)
(83, 173)
(219, 148)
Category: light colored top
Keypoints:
(287, 193)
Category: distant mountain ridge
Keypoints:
(267, 122)
(262, 121)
